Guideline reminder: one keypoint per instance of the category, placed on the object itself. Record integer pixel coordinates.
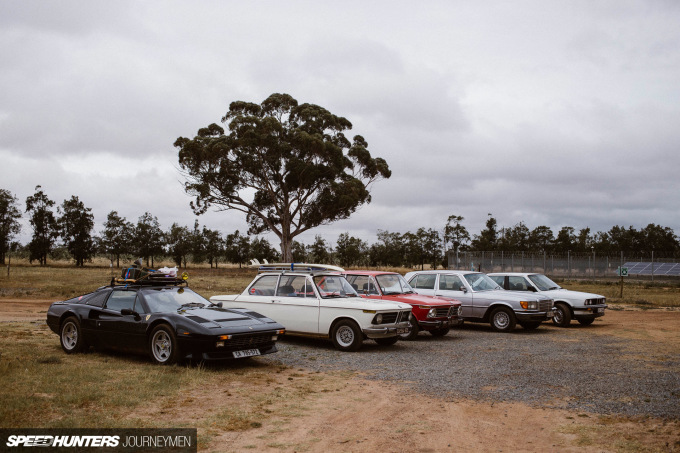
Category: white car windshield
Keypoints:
(334, 286)
(163, 300)
(481, 282)
(393, 284)
(543, 283)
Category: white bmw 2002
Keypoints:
(315, 300)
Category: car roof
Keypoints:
(514, 274)
(371, 273)
(445, 271)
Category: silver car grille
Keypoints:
(395, 317)
(596, 301)
(545, 305)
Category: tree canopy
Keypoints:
(45, 229)
(9, 221)
(75, 225)
(289, 167)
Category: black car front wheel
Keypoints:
(72, 339)
(163, 345)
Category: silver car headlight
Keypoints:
(529, 305)
(432, 313)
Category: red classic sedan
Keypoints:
(435, 315)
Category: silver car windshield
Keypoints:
(542, 282)
(481, 282)
(393, 284)
(330, 286)
(164, 300)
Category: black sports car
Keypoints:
(164, 319)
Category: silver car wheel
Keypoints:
(69, 336)
(345, 336)
(161, 346)
(501, 320)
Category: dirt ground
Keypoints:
(351, 414)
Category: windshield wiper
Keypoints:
(191, 305)
(391, 293)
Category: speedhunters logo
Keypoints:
(62, 441)
(178, 440)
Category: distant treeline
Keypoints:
(68, 232)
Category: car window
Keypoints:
(139, 305)
(363, 284)
(121, 299)
(517, 283)
(164, 300)
(294, 286)
(334, 286)
(498, 279)
(98, 299)
(450, 282)
(480, 282)
(543, 283)
(264, 286)
(425, 281)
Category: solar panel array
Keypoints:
(649, 268)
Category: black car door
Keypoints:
(122, 331)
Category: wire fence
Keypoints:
(580, 265)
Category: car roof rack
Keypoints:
(149, 281)
(140, 276)
(296, 267)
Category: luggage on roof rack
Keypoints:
(138, 275)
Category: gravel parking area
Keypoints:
(550, 367)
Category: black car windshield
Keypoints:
(480, 282)
(543, 283)
(164, 300)
(393, 284)
(330, 286)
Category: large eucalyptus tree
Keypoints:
(287, 166)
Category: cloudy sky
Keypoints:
(549, 112)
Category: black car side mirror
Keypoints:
(464, 289)
(219, 304)
(128, 312)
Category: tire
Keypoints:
(413, 333)
(71, 336)
(562, 316)
(346, 336)
(586, 322)
(163, 345)
(439, 332)
(387, 341)
(532, 325)
(502, 319)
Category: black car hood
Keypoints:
(214, 317)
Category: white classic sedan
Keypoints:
(583, 307)
(312, 301)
